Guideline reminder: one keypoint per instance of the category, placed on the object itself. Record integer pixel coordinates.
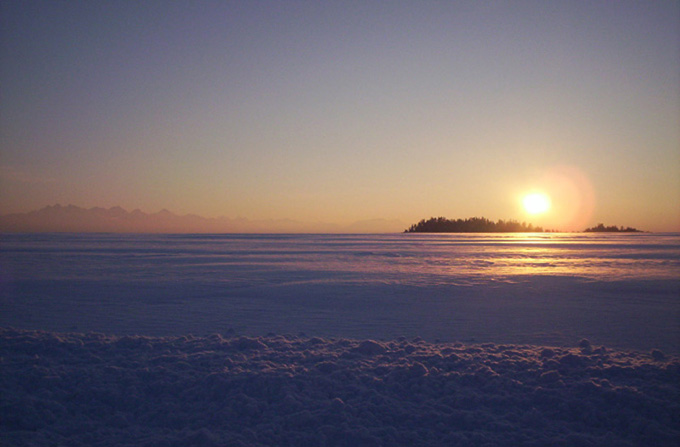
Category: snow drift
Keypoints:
(93, 389)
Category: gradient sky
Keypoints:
(343, 111)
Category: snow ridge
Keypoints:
(94, 389)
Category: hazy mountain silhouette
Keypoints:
(58, 218)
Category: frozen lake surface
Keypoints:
(618, 290)
(567, 339)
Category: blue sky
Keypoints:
(343, 111)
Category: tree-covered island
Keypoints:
(483, 225)
(471, 225)
(600, 228)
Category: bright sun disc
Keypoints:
(536, 203)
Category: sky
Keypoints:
(342, 111)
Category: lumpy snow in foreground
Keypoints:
(97, 390)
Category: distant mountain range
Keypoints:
(58, 218)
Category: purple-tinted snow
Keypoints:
(93, 389)
(520, 303)
(618, 290)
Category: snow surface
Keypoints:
(545, 289)
(520, 304)
(280, 390)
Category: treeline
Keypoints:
(600, 228)
(471, 225)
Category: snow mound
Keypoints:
(93, 389)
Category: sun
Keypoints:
(536, 203)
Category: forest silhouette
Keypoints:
(600, 228)
(483, 225)
(471, 225)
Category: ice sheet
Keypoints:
(617, 290)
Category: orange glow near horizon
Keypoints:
(345, 116)
(561, 198)
(573, 195)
